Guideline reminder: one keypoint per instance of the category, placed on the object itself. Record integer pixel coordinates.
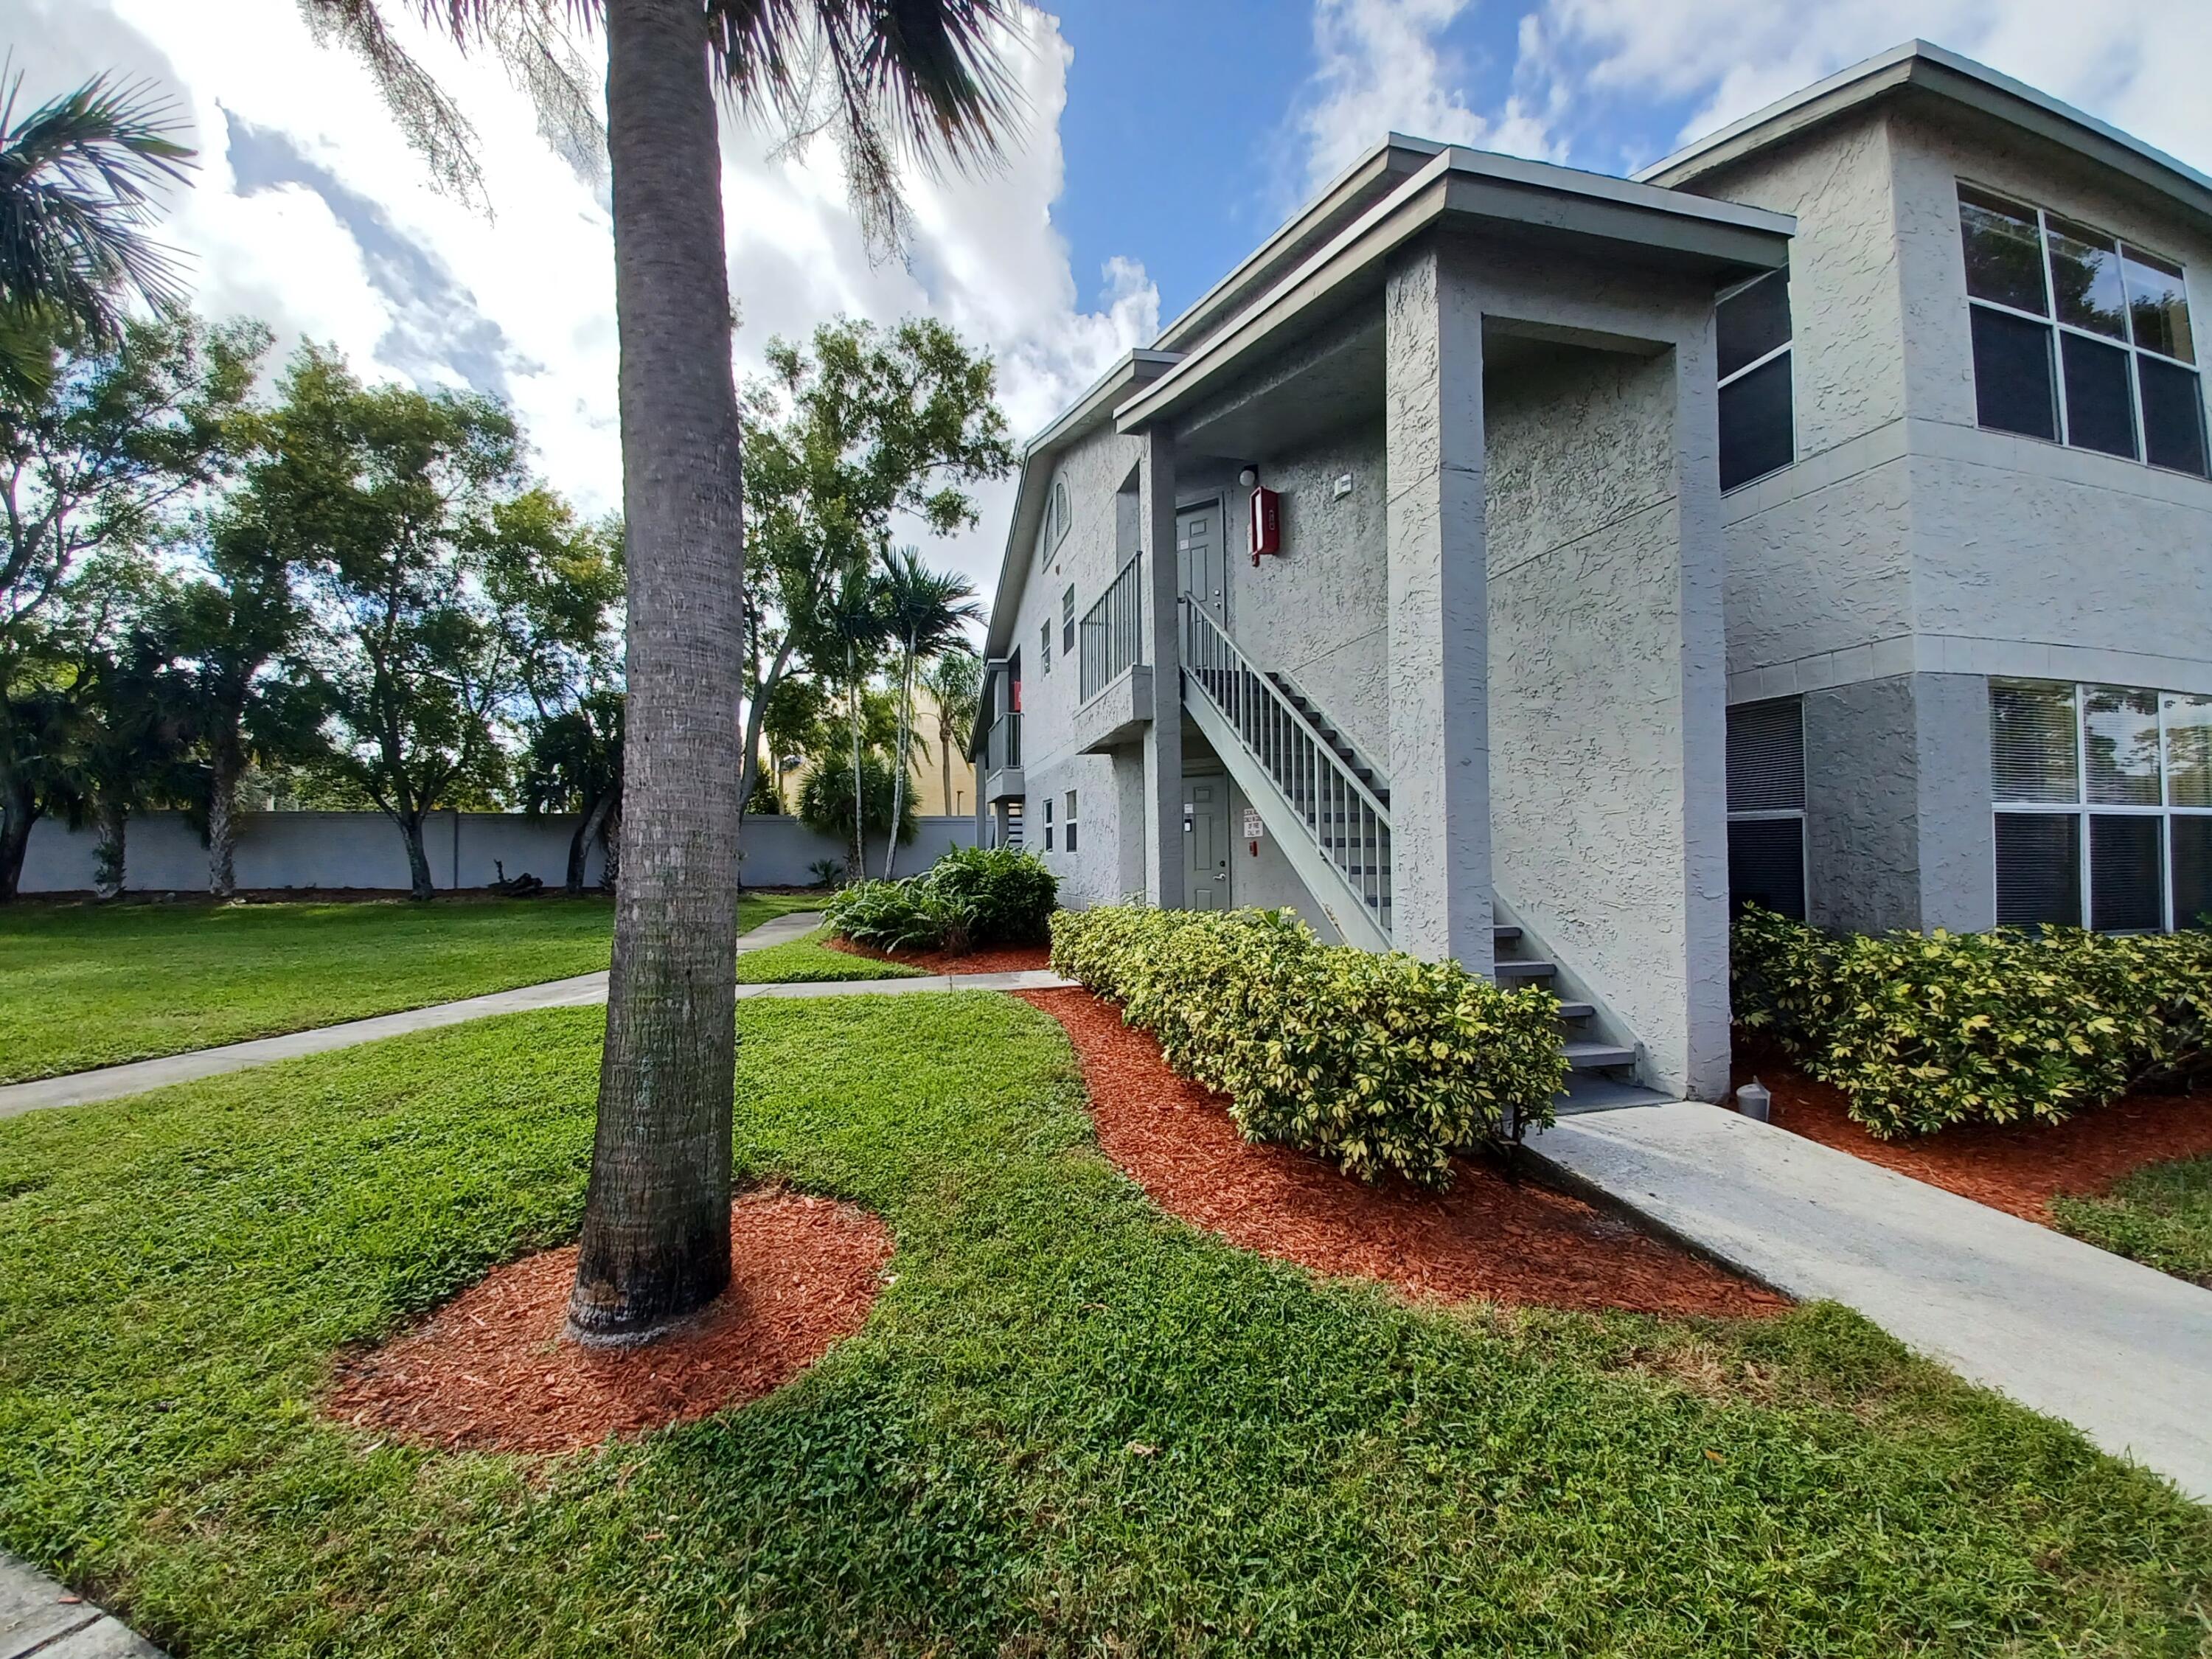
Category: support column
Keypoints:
(1438, 616)
(1156, 519)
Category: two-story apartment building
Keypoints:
(1822, 515)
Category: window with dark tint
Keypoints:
(2033, 751)
(2173, 416)
(2099, 407)
(2124, 872)
(2038, 869)
(1068, 622)
(1751, 329)
(2012, 375)
(2192, 871)
(1044, 649)
(1070, 820)
(2078, 337)
(1766, 806)
(1048, 823)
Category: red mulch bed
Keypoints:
(996, 959)
(2018, 1168)
(1487, 1239)
(487, 1371)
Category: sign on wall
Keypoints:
(1254, 829)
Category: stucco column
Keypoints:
(1156, 519)
(1438, 616)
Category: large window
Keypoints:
(2078, 337)
(1751, 342)
(1057, 517)
(1767, 806)
(2104, 805)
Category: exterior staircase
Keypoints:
(1329, 808)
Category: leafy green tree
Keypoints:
(955, 684)
(382, 496)
(106, 456)
(240, 635)
(793, 725)
(887, 77)
(865, 425)
(826, 801)
(849, 635)
(926, 614)
(575, 764)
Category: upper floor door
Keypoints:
(1202, 560)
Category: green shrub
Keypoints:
(1924, 1031)
(1379, 1063)
(972, 896)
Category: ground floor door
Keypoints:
(1202, 560)
(1206, 843)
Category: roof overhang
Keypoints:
(1535, 201)
(1919, 66)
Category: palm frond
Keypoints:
(431, 123)
(80, 179)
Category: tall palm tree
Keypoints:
(888, 78)
(955, 684)
(80, 180)
(926, 614)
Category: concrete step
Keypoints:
(1523, 973)
(1505, 935)
(1597, 1056)
(1575, 1010)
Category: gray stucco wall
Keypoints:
(1897, 804)
(279, 850)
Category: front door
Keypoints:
(1201, 561)
(1206, 843)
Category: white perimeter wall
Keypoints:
(278, 850)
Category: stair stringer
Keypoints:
(1287, 825)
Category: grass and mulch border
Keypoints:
(1072, 1424)
(980, 959)
(2134, 1176)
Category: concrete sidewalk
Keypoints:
(38, 1617)
(111, 1082)
(2121, 1352)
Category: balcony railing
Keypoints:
(1113, 637)
(1003, 748)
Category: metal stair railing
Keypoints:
(1344, 817)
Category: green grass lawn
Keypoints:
(1073, 1425)
(84, 985)
(2161, 1216)
(810, 959)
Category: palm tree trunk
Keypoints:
(944, 758)
(111, 821)
(656, 1239)
(860, 864)
(611, 847)
(588, 829)
(898, 777)
(222, 822)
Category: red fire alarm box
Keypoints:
(1267, 522)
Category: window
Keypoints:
(1070, 825)
(1068, 622)
(1751, 340)
(2104, 805)
(2079, 337)
(1766, 806)
(1048, 823)
(1044, 649)
(1056, 520)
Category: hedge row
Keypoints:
(1925, 1030)
(972, 896)
(1379, 1063)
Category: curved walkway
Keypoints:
(111, 1082)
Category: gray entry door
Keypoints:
(1201, 561)
(1206, 843)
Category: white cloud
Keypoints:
(530, 293)
(1382, 67)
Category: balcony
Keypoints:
(1114, 687)
(1002, 757)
